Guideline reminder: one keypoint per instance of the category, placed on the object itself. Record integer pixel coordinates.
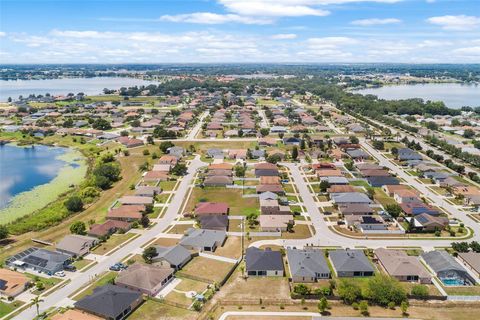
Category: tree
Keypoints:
(323, 305)
(324, 185)
(460, 246)
(264, 132)
(74, 204)
(301, 289)
(103, 182)
(354, 139)
(379, 145)
(349, 291)
(302, 144)
(294, 153)
(150, 140)
(149, 253)
(393, 209)
(36, 301)
(179, 169)
(240, 170)
(363, 306)
(404, 307)
(101, 124)
(383, 289)
(78, 227)
(274, 158)
(109, 170)
(3, 232)
(165, 145)
(145, 221)
(474, 245)
(468, 133)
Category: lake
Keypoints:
(64, 86)
(454, 95)
(32, 177)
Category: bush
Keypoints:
(74, 204)
(419, 290)
(349, 291)
(363, 306)
(301, 289)
(78, 227)
(383, 289)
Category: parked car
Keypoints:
(60, 274)
(70, 268)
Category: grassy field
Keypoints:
(150, 310)
(463, 291)
(202, 267)
(238, 205)
(105, 279)
(232, 248)
(112, 242)
(6, 308)
(300, 231)
(79, 264)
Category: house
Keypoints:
(237, 154)
(203, 240)
(274, 188)
(292, 141)
(351, 263)
(12, 283)
(130, 142)
(177, 152)
(427, 222)
(162, 167)
(272, 207)
(406, 196)
(471, 260)
(269, 180)
(375, 173)
(168, 159)
(335, 180)
(355, 209)
(350, 197)
(267, 141)
(446, 268)
(147, 191)
(221, 166)
(405, 154)
(415, 208)
(358, 154)
(219, 172)
(340, 189)
(215, 153)
(214, 222)
(211, 209)
(275, 222)
(146, 279)
(217, 181)
(135, 200)
(76, 245)
(108, 227)
(265, 169)
(329, 173)
(174, 256)
(267, 196)
(40, 260)
(74, 314)
(155, 176)
(391, 189)
(110, 302)
(398, 264)
(258, 154)
(264, 262)
(307, 265)
(382, 181)
(126, 213)
(278, 129)
(367, 223)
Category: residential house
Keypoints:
(382, 181)
(275, 222)
(406, 196)
(108, 227)
(147, 191)
(146, 279)
(471, 260)
(214, 222)
(416, 208)
(110, 302)
(76, 245)
(174, 256)
(367, 223)
(358, 154)
(135, 200)
(307, 265)
(168, 159)
(74, 314)
(211, 209)
(446, 268)
(398, 264)
(405, 154)
(355, 209)
(217, 181)
(40, 260)
(264, 262)
(265, 169)
(127, 213)
(427, 222)
(155, 176)
(340, 181)
(350, 197)
(203, 240)
(351, 263)
(12, 283)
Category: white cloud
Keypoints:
(284, 36)
(461, 22)
(330, 42)
(2, 34)
(213, 18)
(468, 51)
(273, 8)
(375, 21)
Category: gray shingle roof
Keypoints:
(350, 261)
(260, 260)
(174, 255)
(203, 238)
(350, 197)
(441, 261)
(306, 263)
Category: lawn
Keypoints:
(360, 183)
(288, 187)
(300, 231)
(383, 198)
(233, 197)
(463, 291)
(105, 279)
(80, 264)
(47, 282)
(162, 198)
(209, 269)
(167, 185)
(114, 241)
(186, 285)
(232, 248)
(180, 228)
(150, 310)
(235, 225)
(166, 242)
(6, 308)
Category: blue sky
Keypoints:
(71, 31)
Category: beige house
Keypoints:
(12, 283)
(143, 278)
(275, 223)
(402, 266)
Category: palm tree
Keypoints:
(36, 301)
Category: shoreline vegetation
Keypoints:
(72, 173)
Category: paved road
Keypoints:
(264, 122)
(82, 279)
(193, 133)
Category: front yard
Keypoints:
(238, 205)
(114, 241)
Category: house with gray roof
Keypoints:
(350, 197)
(174, 256)
(146, 279)
(335, 180)
(446, 268)
(405, 154)
(110, 302)
(267, 195)
(203, 240)
(358, 154)
(351, 263)
(264, 262)
(176, 152)
(307, 265)
(215, 153)
(40, 260)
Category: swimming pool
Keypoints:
(453, 282)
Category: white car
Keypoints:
(60, 274)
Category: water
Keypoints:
(453, 282)
(454, 95)
(22, 169)
(89, 86)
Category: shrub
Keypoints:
(419, 290)
(349, 291)
(74, 204)
(78, 227)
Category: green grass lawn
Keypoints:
(105, 279)
(47, 282)
(237, 204)
(383, 198)
(163, 197)
(463, 291)
(112, 242)
(359, 183)
(6, 308)
(167, 185)
(79, 264)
